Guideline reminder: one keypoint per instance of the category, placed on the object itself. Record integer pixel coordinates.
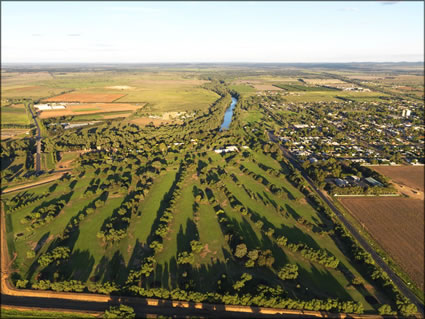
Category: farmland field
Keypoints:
(90, 108)
(13, 133)
(397, 224)
(411, 176)
(84, 97)
(14, 114)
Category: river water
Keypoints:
(228, 115)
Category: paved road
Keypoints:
(378, 260)
(38, 141)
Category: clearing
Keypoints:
(397, 224)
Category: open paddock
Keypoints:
(397, 224)
(12, 132)
(14, 114)
(34, 92)
(120, 87)
(92, 108)
(411, 176)
(84, 97)
(324, 81)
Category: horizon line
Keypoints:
(259, 62)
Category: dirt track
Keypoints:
(25, 186)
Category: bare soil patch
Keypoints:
(84, 97)
(120, 87)
(408, 191)
(91, 108)
(411, 176)
(397, 224)
(12, 132)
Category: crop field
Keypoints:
(13, 133)
(397, 224)
(165, 91)
(171, 97)
(14, 114)
(90, 108)
(84, 97)
(327, 96)
(33, 92)
(47, 161)
(411, 176)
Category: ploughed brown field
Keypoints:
(411, 176)
(84, 97)
(397, 224)
(92, 108)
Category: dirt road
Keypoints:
(38, 183)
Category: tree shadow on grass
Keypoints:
(321, 283)
(296, 235)
(291, 211)
(115, 269)
(184, 238)
(41, 242)
(79, 266)
(164, 204)
(53, 187)
(273, 202)
(289, 194)
(137, 256)
(65, 197)
(72, 184)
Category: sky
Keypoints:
(253, 31)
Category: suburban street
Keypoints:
(378, 260)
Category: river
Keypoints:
(228, 115)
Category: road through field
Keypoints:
(378, 260)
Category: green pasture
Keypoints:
(172, 99)
(242, 88)
(35, 314)
(14, 115)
